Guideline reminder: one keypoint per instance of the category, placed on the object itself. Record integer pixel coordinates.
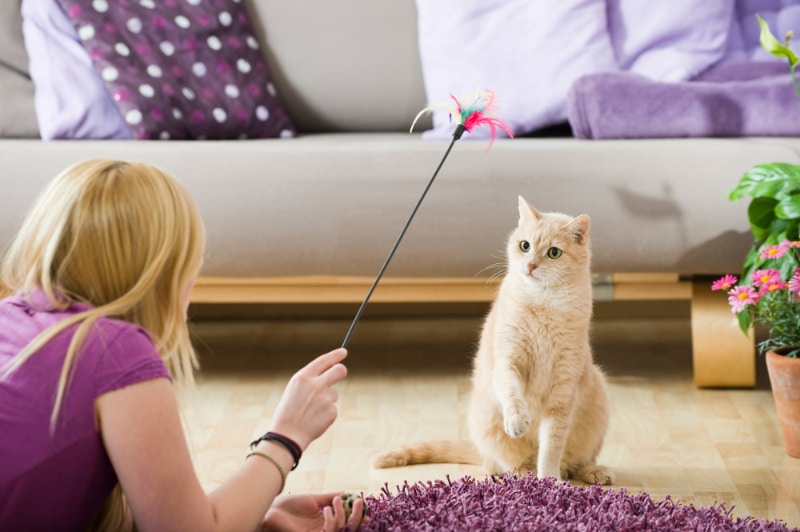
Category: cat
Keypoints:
(538, 402)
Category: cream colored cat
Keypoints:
(538, 401)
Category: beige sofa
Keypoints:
(311, 219)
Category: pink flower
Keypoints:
(772, 286)
(762, 277)
(774, 252)
(725, 283)
(740, 297)
(794, 283)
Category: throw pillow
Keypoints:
(744, 45)
(669, 41)
(181, 69)
(527, 51)
(69, 97)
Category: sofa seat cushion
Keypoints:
(333, 204)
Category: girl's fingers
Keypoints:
(323, 363)
(358, 515)
(334, 514)
(328, 520)
(334, 374)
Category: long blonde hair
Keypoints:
(124, 237)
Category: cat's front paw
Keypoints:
(596, 474)
(516, 422)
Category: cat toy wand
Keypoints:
(477, 112)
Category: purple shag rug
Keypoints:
(511, 503)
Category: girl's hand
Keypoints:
(308, 405)
(313, 512)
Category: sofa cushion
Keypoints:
(743, 41)
(353, 66)
(17, 114)
(669, 41)
(182, 70)
(187, 70)
(528, 53)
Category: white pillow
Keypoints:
(70, 98)
(527, 51)
(669, 41)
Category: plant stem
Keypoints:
(794, 80)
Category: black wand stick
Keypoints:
(456, 135)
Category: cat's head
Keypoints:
(548, 249)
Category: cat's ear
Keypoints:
(526, 212)
(579, 227)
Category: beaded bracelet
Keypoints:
(274, 460)
(289, 444)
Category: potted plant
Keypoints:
(768, 290)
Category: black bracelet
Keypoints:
(290, 445)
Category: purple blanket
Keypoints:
(744, 99)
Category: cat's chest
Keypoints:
(541, 339)
(541, 325)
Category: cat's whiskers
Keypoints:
(500, 265)
(499, 269)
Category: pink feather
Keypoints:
(473, 111)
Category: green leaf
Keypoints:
(791, 232)
(745, 321)
(787, 269)
(789, 207)
(767, 180)
(761, 214)
(773, 45)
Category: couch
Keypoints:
(311, 219)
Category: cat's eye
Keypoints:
(554, 253)
(525, 246)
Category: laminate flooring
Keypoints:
(409, 381)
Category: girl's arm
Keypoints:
(143, 435)
(144, 438)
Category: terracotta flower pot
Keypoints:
(784, 377)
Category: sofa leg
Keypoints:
(723, 356)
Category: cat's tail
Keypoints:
(431, 452)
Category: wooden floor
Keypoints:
(408, 381)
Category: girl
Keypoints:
(91, 340)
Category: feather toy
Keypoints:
(475, 113)
(472, 112)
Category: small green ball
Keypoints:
(348, 498)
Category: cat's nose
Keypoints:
(531, 267)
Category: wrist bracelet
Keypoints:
(288, 443)
(274, 460)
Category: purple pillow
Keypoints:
(181, 69)
(669, 41)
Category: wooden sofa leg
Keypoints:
(724, 357)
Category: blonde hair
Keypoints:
(124, 237)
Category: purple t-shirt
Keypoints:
(58, 481)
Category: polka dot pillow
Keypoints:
(181, 69)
